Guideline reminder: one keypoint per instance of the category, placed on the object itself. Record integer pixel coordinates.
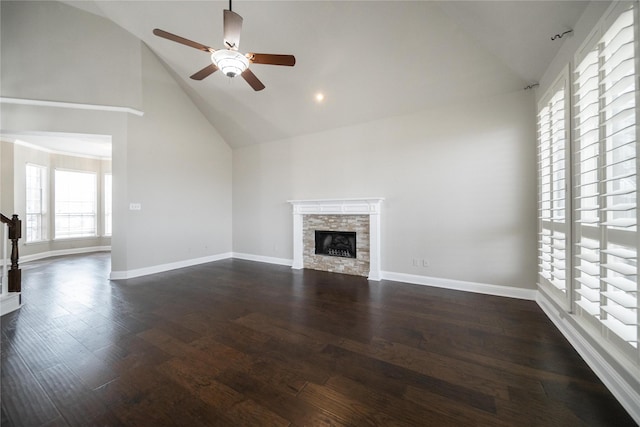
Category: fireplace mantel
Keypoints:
(364, 206)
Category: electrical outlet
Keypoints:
(425, 263)
(415, 262)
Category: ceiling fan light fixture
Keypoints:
(230, 62)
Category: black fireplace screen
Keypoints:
(336, 243)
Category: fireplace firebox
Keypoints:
(336, 243)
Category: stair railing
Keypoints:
(14, 226)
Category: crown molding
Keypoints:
(73, 105)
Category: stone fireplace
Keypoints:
(346, 238)
(348, 231)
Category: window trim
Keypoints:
(44, 188)
(107, 208)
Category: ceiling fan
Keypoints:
(228, 60)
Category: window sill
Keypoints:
(36, 243)
(69, 239)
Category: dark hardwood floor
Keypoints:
(237, 343)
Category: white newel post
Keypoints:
(366, 206)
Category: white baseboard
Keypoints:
(130, 274)
(260, 258)
(616, 382)
(61, 252)
(459, 285)
(9, 302)
(503, 291)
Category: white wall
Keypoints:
(6, 178)
(179, 169)
(570, 45)
(51, 51)
(171, 160)
(459, 184)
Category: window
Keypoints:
(36, 203)
(595, 274)
(552, 189)
(108, 212)
(605, 180)
(75, 204)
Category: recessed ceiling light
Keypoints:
(319, 97)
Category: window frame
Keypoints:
(44, 198)
(598, 237)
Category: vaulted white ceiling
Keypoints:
(371, 59)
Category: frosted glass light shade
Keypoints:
(230, 62)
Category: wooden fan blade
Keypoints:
(232, 28)
(252, 80)
(166, 35)
(205, 72)
(267, 58)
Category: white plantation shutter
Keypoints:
(552, 188)
(619, 291)
(605, 179)
(586, 183)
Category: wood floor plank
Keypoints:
(79, 359)
(78, 405)
(262, 324)
(203, 385)
(130, 353)
(543, 411)
(396, 406)
(139, 391)
(349, 410)
(24, 400)
(33, 350)
(277, 397)
(493, 382)
(463, 415)
(458, 391)
(239, 343)
(588, 403)
(4, 417)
